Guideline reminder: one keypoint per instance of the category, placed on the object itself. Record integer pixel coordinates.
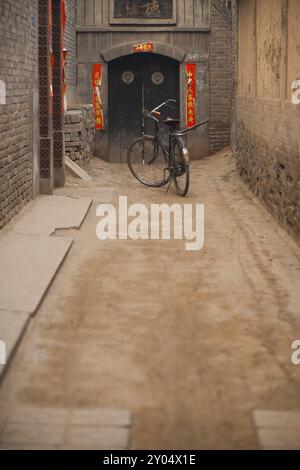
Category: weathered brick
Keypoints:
(220, 78)
(18, 64)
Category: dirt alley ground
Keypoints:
(191, 343)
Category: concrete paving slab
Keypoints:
(35, 427)
(18, 434)
(50, 213)
(85, 416)
(32, 415)
(278, 430)
(12, 324)
(28, 266)
(98, 438)
(79, 438)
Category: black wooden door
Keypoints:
(125, 106)
(137, 83)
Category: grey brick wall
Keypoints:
(18, 62)
(70, 44)
(220, 77)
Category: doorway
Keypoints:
(138, 83)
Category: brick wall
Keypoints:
(220, 76)
(267, 147)
(70, 44)
(18, 62)
(267, 124)
(234, 64)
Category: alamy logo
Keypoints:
(296, 92)
(2, 353)
(162, 221)
(2, 92)
(296, 354)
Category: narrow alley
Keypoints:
(192, 345)
(149, 232)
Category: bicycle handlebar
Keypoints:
(161, 106)
(182, 131)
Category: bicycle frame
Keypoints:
(172, 135)
(158, 136)
(174, 160)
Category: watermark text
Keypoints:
(296, 92)
(296, 354)
(161, 222)
(2, 353)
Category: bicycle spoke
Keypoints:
(147, 162)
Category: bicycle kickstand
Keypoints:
(169, 185)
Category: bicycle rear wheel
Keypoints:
(147, 162)
(181, 168)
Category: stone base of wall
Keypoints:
(268, 160)
(79, 131)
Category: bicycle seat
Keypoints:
(171, 122)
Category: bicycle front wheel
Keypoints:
(181, 168)
(147, 162)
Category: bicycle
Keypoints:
(155, 164)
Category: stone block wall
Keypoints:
(79, 131)
(18, 68)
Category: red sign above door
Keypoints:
(144, 47)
